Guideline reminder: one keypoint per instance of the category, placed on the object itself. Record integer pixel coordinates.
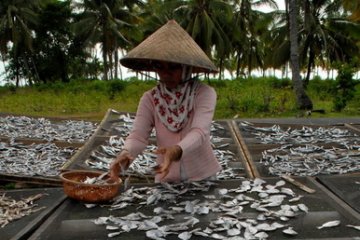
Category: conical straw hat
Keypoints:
(170, 43)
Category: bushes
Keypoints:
(255, 97)
(321, 89)
(344, 87)
(277, 83)
(110, 88)
(115, 86)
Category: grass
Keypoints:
(243, 98)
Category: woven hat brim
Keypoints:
(170, 43)
(138, 64)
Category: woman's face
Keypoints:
(170, 74)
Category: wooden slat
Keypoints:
(298, 184)
(25, 232)
(352, 128)
(247, 160)
(341, 205)
(88, 143)
(31, 180)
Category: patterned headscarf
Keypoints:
(174, 106)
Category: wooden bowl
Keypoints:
(74, 186)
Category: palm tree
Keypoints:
(207, 22)
(16, 18)
(354, 8)
(105, 22)
(302, 98)
(247, 36)
(326, 35)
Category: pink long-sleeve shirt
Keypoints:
(198, 161)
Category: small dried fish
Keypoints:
(310, 160)
(44, 159)
(226, 206)
(156, 234)
(303, 207)
(11, 209)
(97, 180)
(141, 167)
(185, 235)
(353, 226)
(329, 224)
(277, 135)
(90, 205)
(114, 234)
(290, 231)
(41, 128)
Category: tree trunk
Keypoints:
(303, 100)
(105, 77)
(116, 63)
(309, 68)
(238, 65)
(105, 55)
(111, 65)
(17, 75)
(221, 68)
(28, 72)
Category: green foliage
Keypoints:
(254, 97)
(11, 87)
(279, 83)
(320, 89)
(115, 86)
(98, 85)
(55, 40)
(344, 87)
(244, 98)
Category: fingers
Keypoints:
(159, 169)
(114, 170)
(121, 163)
(160, 150)
(170, 154)
(163, 168)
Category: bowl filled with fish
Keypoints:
(89, 186)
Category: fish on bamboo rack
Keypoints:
(12, 210)
(252, 210)
(45, 159)
(310, 160)
(101, 158)
(306, 135)
(42, 128)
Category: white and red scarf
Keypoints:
(174, 106)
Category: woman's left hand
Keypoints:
(171, 154)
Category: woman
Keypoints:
(180, 108)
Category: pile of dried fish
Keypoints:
(310, 160)
(41, 128)
(252, 210)
(306, 135)
(123, 125)
(33, 160)
(100, 180)
(11, 209)
(101, 158)
(226, 157)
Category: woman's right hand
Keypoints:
(121, 163)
